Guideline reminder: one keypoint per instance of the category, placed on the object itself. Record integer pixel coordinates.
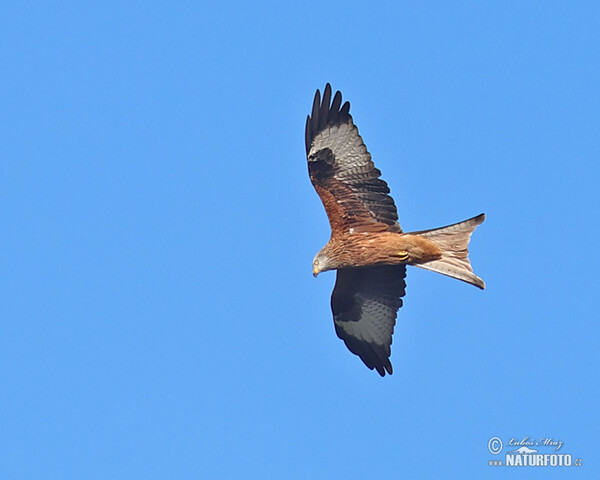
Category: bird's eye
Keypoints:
(316, 262)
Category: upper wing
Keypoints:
(342, 172)
(364, 304)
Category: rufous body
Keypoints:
(384, 248)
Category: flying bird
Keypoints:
(367, 247)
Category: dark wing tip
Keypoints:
(382, 364)
(375, 357)
(385, 366)
(307, 133)
(376, 360)
(325, 113)
(324, 107)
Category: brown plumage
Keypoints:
(367, 247)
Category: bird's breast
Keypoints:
(384, 248)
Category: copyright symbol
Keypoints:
(495, 445)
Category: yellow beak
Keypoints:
(315, 272)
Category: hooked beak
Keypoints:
(315, 272)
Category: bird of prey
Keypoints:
(367, 247)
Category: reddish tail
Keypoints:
(453, 241)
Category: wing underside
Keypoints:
(365, 302)
(342, 171)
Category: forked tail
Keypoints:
(453, 241)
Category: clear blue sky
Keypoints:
(159, 318)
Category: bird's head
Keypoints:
(321, 263)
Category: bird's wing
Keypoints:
(342, 172)
(365, 302)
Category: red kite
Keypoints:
(367, 247)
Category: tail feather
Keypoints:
(453, 241)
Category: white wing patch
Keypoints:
(376, 324)
(345, 142)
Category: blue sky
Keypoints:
(159, 316)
